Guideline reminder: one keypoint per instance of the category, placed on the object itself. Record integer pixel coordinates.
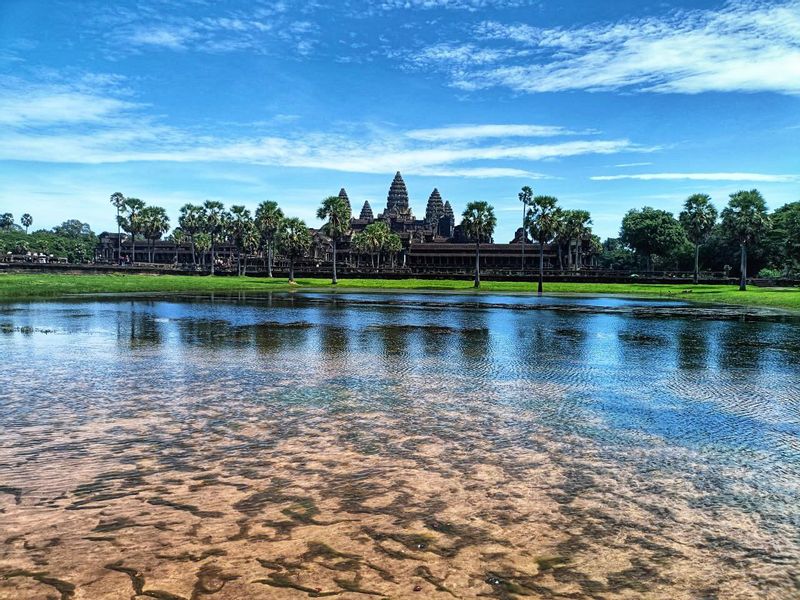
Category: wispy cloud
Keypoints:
(747, 46)
(473, 132)
(754, 177)
(633, 164)
(61, 124)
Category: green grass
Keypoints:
(22, 286)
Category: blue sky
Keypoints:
(606, 105)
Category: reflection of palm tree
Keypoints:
(478, 223)
(268, 220)
(698, 219)
(295, 240)
(336, 210)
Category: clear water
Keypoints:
(435, 446)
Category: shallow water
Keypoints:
(307, 445)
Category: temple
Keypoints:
(432, 245)
(437, 226)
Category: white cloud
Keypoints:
(633, 164)
(472, 132)
(747, 46)
(50, 106)
(754, 177)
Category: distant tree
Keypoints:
(393, 246)
(335, 210)
(785, 237)
(131, 222)
(73, 228)
(251, 243)
(525, 196)
(745, 220)
(616, 256)
(154, 224)
(240, 223)
(6, 221)
(478, 223)
(118, 201)
(269, 218)
(698, 219)
(177, 237)
(542, 221)
(216, 221)
(294, 240)
(376, 236)
(26, 221)
(202, 241)
(574, 227)
(191, 222)
(651, 231)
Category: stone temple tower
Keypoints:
(447, 223)
(397, 200)
(434, 211)
(366, 213)
(343, 196)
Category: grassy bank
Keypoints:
(20, 286)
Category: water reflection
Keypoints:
(302, 445)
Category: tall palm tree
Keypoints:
(203, 242)
(155, 223)
(215, 220)
(26, 221)
(574, 226)
(543, 221)
(118, 200)
(525, 197)
(698, 219)
(268, 220)
(336, 211)
(478, 223)
(240, 223)
(130, 222)
(251, 242)
(746, 220)
(178, 237)
(191, 222)
(295, 240)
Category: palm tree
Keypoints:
(543, 221)
(268, 220)
(393, 245)
(525, 197)
(118, 200)
(698, 219)
(215, 219)
(191, 222)
(295, 240)
(26, 221)
(376, 237)
(336, 210)
(203, 242)
(251, 242)
(478, 223)
(746, 220)
(240, 223)
(574, 226)
(155, 223)
(131, 222)
(178, 237)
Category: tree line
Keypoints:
(649, 239)
(72, 239)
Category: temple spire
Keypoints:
(366, 212)
(435, 209)
(397, 199)
(343, 196)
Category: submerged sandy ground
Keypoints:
(210, 470)
(229, 504)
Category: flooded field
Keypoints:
(349, 445)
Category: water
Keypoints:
(428, 446)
